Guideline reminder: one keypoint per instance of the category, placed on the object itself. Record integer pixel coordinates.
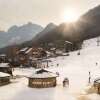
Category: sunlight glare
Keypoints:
(70, 15)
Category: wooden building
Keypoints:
(23, 56)
(40, 63)
(4, 78)
(42, 79)
(97, 85)
(26, 55)
(39, 53)
(6, 68)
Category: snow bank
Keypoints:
(3, 74)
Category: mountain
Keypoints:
(89, 23)
(43, 33)
(19, 34)
(59, 33)
(88, 26)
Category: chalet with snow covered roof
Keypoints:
(25, 56)
(4, 78)
(6, 68)
(42, 79)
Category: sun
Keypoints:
(69, 16)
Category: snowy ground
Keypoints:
(75, 67)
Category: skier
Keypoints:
(65, 82)
(96, 63)
(57, 73)
(89, 77)
(57, 65)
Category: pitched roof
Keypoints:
(4, 65)
(23, 49)
(42, 73)
(30, 49)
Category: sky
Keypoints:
(42, 12)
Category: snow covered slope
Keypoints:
(91, 42)
(75, 67)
